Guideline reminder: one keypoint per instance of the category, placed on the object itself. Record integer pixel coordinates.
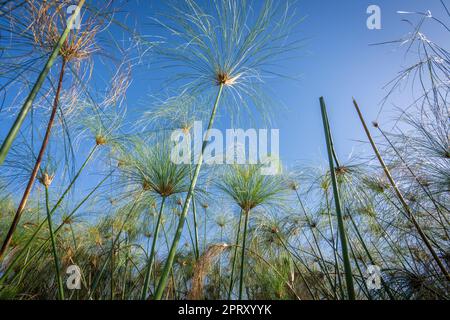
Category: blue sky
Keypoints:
(341, 64)
(337, 62)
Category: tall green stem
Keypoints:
(244, 238)
(220, 263)
(152, 252)
(37, 86)
(230, 290)
(194, 212)
(125, 271)
(205, 225)
(111, 270)
(337, 201)
(55, 254)
(334, 246)
(170, 259)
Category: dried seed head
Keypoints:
(223, 78)
(100, 140)
(341, 170)
(202, 268)
(47, 22)
(375, 124)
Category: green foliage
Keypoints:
(115, 205)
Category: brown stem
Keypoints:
(421, 233)
(37, 165)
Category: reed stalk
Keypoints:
(54, 250)
(152, 251)
(244, 238)
(337, 201)
(233, 265)
(194, 213)
(170, 259)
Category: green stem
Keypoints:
(334, 246)
(190, 234)
(152, 252)
(125, 272)
(172, 274)
(230, 290)
(205, 232)
(37, 86)
(194, 212)
(55, 254)
(111, 277)
(170, 259)
(220, 263)
(241, 281)
(337, 201)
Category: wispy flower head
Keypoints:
(231, 43)
(249, 189)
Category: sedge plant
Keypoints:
(225, 49)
